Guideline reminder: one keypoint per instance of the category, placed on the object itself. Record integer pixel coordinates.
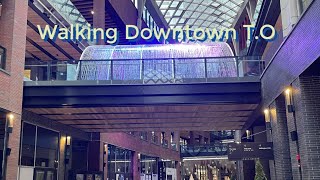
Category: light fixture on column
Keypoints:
(248, 134)
(0, 7)
(67, 149)
(105, 148)
(289, 100)
(267, 118)
(68, 140)
(10, 120)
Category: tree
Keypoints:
(259, 172)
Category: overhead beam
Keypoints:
(160, 129)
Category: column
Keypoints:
(64, 164)
(178, 168)
(307, 114)
(105, 161)
(292, 127)
(99, 13)
(240, 172)
(271, 162)
(13, 27)
(95, 155)
(176, 139)
(280, 138)
(136, 169)
(289, 14)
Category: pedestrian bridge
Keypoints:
(179, 87)
(217, 150)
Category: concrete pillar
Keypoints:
(289, 14)
(136, 169)
(280, 138)
(178, 168)
(99, 16)
(176, 139)
(13, 27)
(240, 172)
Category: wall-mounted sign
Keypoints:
(250, 151)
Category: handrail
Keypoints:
(204, 150)
(147, 71)
(253, 58)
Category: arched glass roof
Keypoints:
(200, 13)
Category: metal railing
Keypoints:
(146, 71)
(221, 135)
(217, 149)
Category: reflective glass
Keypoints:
(47, 148)
(28, 145)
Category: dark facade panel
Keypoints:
(117, 95)
(297, 53)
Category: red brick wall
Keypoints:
(13, 26)
(135, 144)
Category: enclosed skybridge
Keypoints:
(147, 87)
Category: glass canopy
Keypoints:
(200, 13)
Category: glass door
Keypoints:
(45, 174)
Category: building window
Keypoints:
(162, 138)
(149, 166)
(28, 145)
(47, 148)
(119, 163)
(171, 137)
(2, 57)
(40, 147)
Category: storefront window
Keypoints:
(119, 163)
(149, 165)
(40, 147)
(28, 145)
(47, 148)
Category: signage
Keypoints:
(250, 151)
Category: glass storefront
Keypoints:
(149, 167)
(208, 169)
(39, 153)
(167, 170)
(119, 163)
